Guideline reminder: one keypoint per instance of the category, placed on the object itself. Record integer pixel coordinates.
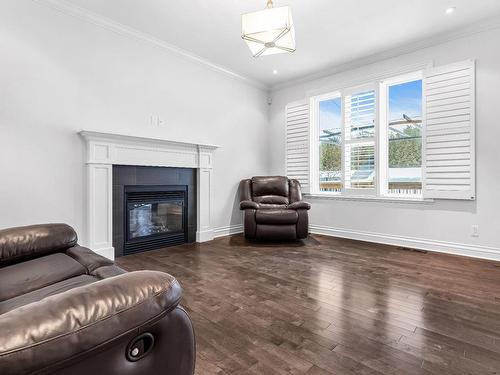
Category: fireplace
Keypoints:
(153, 207)
(155, 216)
(116, 160)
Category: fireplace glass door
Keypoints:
(153, 218)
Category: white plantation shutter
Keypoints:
(297, 142)
(359, 140)
(448, 138)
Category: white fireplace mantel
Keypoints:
(103, 150)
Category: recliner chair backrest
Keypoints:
(270, 190)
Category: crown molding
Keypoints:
(86, 15)
(472, 29)
(67, 8)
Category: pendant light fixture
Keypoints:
(269, 31)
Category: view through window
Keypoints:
(404, 133)
(330, 145)
(348, 141)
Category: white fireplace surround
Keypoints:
(103, 150)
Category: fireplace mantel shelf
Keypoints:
(103, 150)
(115, 137)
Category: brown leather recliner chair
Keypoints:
(274, 209)
(66, 310)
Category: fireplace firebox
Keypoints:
(155, 216)
(153, 207)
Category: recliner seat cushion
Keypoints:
(271, 199)
(275, 206)
(37, 273)
(276, 217)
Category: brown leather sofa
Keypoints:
(66, 310)
(274, 209)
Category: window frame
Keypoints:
(314, 140)
(383, 140)
(379, 139)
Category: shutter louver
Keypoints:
(359, 135)
(448, 142)
(297, 142)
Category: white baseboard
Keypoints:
(228, 230)
(107, 252)
(475, 251)
(205, 235)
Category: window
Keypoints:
(353, 156)
(410, 136)
(401, 136)
(330, 143)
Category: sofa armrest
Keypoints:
(299, 205)
(89, 259)
(64, 325)
(248, 204)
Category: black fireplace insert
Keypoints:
(155, 216)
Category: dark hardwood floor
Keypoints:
(334, 306)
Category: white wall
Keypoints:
(59, 75)
(446, 223)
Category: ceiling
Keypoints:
(328, 32)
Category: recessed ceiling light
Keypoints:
(275, 72)
(450, 10)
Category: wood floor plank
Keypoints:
(327, 306)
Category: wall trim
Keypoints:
(468, 250)
(73, 10)
(204, 235)
(107, 23)
(228, 230)
(406, 48)
(473, 251)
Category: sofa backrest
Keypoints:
(23, 243)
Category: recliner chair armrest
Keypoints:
(64, 325)
(248, 204)
(299, 205)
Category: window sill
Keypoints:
(368, 199)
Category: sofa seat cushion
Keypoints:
(50, 290)
(37, 273)
(276, 216)
(106, 272)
